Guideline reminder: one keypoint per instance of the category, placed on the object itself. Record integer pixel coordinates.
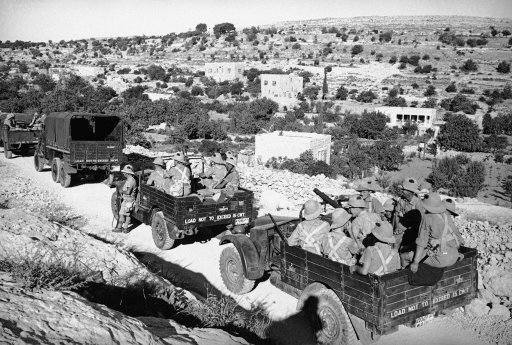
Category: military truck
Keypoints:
(20, 140)
(173, 218)
(79, 144)
(350, 306)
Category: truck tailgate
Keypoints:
(94, 152)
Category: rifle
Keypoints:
(279, 232)
(334, 204)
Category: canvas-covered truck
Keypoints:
(349, 305)
(20, 140)
(78, 144)
(173, 218)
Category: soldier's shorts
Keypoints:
(126, 207)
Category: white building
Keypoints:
(424, 118)
(221, 71)
(291, 144)
(282, 88)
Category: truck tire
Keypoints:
(335, 326)
(65, 178)
(38, 162)
(232, 271)
(160, 231)
(56, 163)
(115, 204)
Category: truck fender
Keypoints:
(248, 254)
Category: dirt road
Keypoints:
(198, 262)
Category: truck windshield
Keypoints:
(96, 128)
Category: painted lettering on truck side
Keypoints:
(215, 218)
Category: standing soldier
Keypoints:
(438, 240)
(364, 221)
(128, 195)
(180, 174)
(308, 232)
(366, 189)
(159, 177)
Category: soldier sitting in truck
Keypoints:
(230, 183)
(336, 245)
(311, 229)
(379, 257)
(438, 240)
(180, 176)
(364, 220)
(214, 175)
(10, 121)
(128, 194)
(37, 120)
(159, 178)
(366, 189)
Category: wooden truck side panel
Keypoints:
(383, 302)
(13, 137)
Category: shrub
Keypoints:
(342, 93)
(469, 66)
(305, 164)
(503, 67)
(495, 143)
(366, 96)
(430, 91)
(356, 49)
(507, 186)
(461, 179)
(451, 88)
(196, 91)
(459, 133)
(459, 103)
(393, 59)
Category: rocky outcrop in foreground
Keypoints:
(50, 317)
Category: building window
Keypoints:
(229, 70)
(428, 118)
(414, 118)
(422, 118)
(276, 95)
(265, 82)
(399, 117)
(407, 118)
(274, 82)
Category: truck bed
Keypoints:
(95, 152)
(14, 137)
(387, 301)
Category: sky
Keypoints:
(43, 20)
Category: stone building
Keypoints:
(291, 145)
(282, 88)
(424, 118)
(221, 71)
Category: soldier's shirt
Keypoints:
(338, 247)
(217, 173)
(307, 234)
(180, 181)
(159, 179)
(129, 189)
(430, 233)
(373, 204)
(232, 182)
(407, 214)
(370, 254)
(364, 224)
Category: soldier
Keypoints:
(180, 175)
(214, 176)
(387, 210)
(336, 245)
(439, 240)
(159, 177)
(407, 215)
(311, 229)
(10, 121)
(364, 220)
(379, 257)
(366, 189)
(128, 195)
(230, 183)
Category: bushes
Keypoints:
(356, 49)
(366, 96)
(503, 67)
(430, 91)
(461, 177)
(459, 133)
(469, 66)
(451, 88)
(459, 103)
(305, 164)
(342, 93)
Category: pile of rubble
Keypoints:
(494, 244)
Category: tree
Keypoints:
(451, 88)
(459, 133)
(201, 27)
(370, 125)
(495, 143)
(311, 92)
(459, 103)
(356, 49)
(196, 91)
(488, 124)
(503, 67)
(156, 72)
(430, 91)
(396, 102)
(429, 103)
(44, 82)
(366, 96)
(461, 177)
(342, 93)
(385, 36)
(469, 66)
(223, 29)
(135, 92)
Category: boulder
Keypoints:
(477, 307)
(501, 284)
(500, 310)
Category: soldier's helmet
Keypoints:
(369, 185)
(311, 209)
(128, 169)
(180, 157)
(356, 202)
(412, 185)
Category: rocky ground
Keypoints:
(485, 321)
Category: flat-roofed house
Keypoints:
(424, 118)
(281, 88)
(221, 71)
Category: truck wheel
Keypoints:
(160, 231)
(56, 163)
(115, 204)
(38, 163)
(65, 178)
(232, 271)
(335, 326)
